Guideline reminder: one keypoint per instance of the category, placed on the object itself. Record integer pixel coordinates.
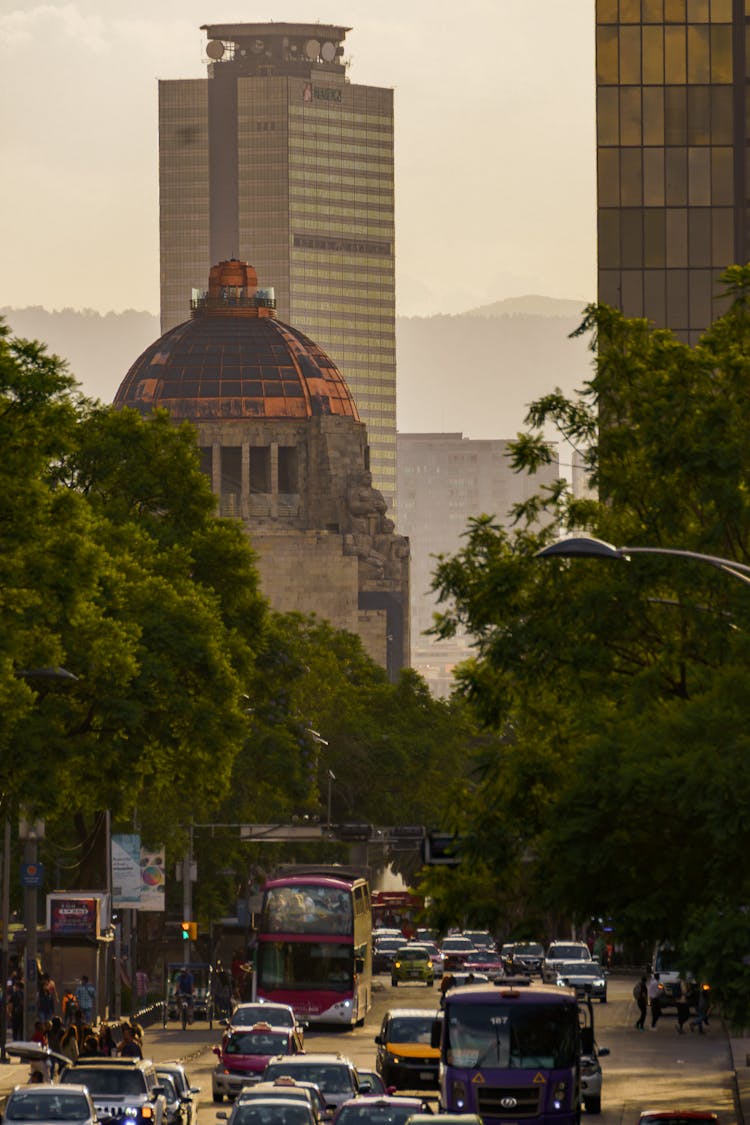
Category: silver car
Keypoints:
(38, 1104)
(588, 978)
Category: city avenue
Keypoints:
(643, 1070)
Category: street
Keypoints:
(643, 1070)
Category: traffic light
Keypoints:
(189, 931)
(441, 849)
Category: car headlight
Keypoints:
(132, 1111)
(397, 964)
(392, 1058)
(558, 1095)
(459, 1095)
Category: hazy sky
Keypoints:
(495, 142)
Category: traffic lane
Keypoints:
(644, 1070)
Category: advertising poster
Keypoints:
(153, 880)
(73, 917)
(126, 871)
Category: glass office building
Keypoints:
(277, 159)
(671, 143)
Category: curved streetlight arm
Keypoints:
(584, 546)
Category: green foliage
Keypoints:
(620, 786)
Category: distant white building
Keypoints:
(443, 479)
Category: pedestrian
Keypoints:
(69, 1007)
(129, 1048)
(69, 1043)
(654, 999)
(107, 1045)
(85, 999)
(683, 1006)
(16, 1010)
(703, 1010)
(640, 995)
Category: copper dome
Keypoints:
(233, 359)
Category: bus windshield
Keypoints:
(511, 1037)
(310, 964)
(302, 908)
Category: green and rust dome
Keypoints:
(234, 359)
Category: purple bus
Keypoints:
(512, 1053)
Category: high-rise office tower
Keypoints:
(277, 158)
(671, 141)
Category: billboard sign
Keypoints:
(126, 871)
(73, 916)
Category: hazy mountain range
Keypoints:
(474, 372)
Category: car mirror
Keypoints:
(195, 1090)
(602, 1052)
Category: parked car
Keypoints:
(334, 1074)
(384, 1110)
(126, 1088)
(412, 964)
(405, 1056)
(588, 978)
(49, 1105)
(560, 951)
(244, 1055)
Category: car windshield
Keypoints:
(106, 1080)
(364, 1114)
(305, 964)
(330, 1077)
(388, 943)
(33, 1105)
(533, 949)
(511, 1037)
(457, 943)
(413, 955)
(244, 1015)
(257, 1043)
(569, 953)
(416, 1030)
(581, 969)
(273, 1113)
(306, 908)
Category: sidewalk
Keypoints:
(158, 1044)
(740, 1051)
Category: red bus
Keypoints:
(399, 909)
(314, 944)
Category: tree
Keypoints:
(621, 688)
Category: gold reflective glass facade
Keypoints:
(671, 141)
(303, 165)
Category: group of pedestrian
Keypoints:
(649, 992)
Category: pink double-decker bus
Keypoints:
(314, 944)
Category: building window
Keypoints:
(260, 468)
(288, 469)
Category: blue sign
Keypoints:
(32, 874)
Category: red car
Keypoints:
(678, 1117)
(245, 1053)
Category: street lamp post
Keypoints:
(587, 547)
(331, 778)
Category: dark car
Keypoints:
(527, 957)
(405, 1057)
(384, 953)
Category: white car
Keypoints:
(38, 1104)
(560, 951)
(588, 978)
